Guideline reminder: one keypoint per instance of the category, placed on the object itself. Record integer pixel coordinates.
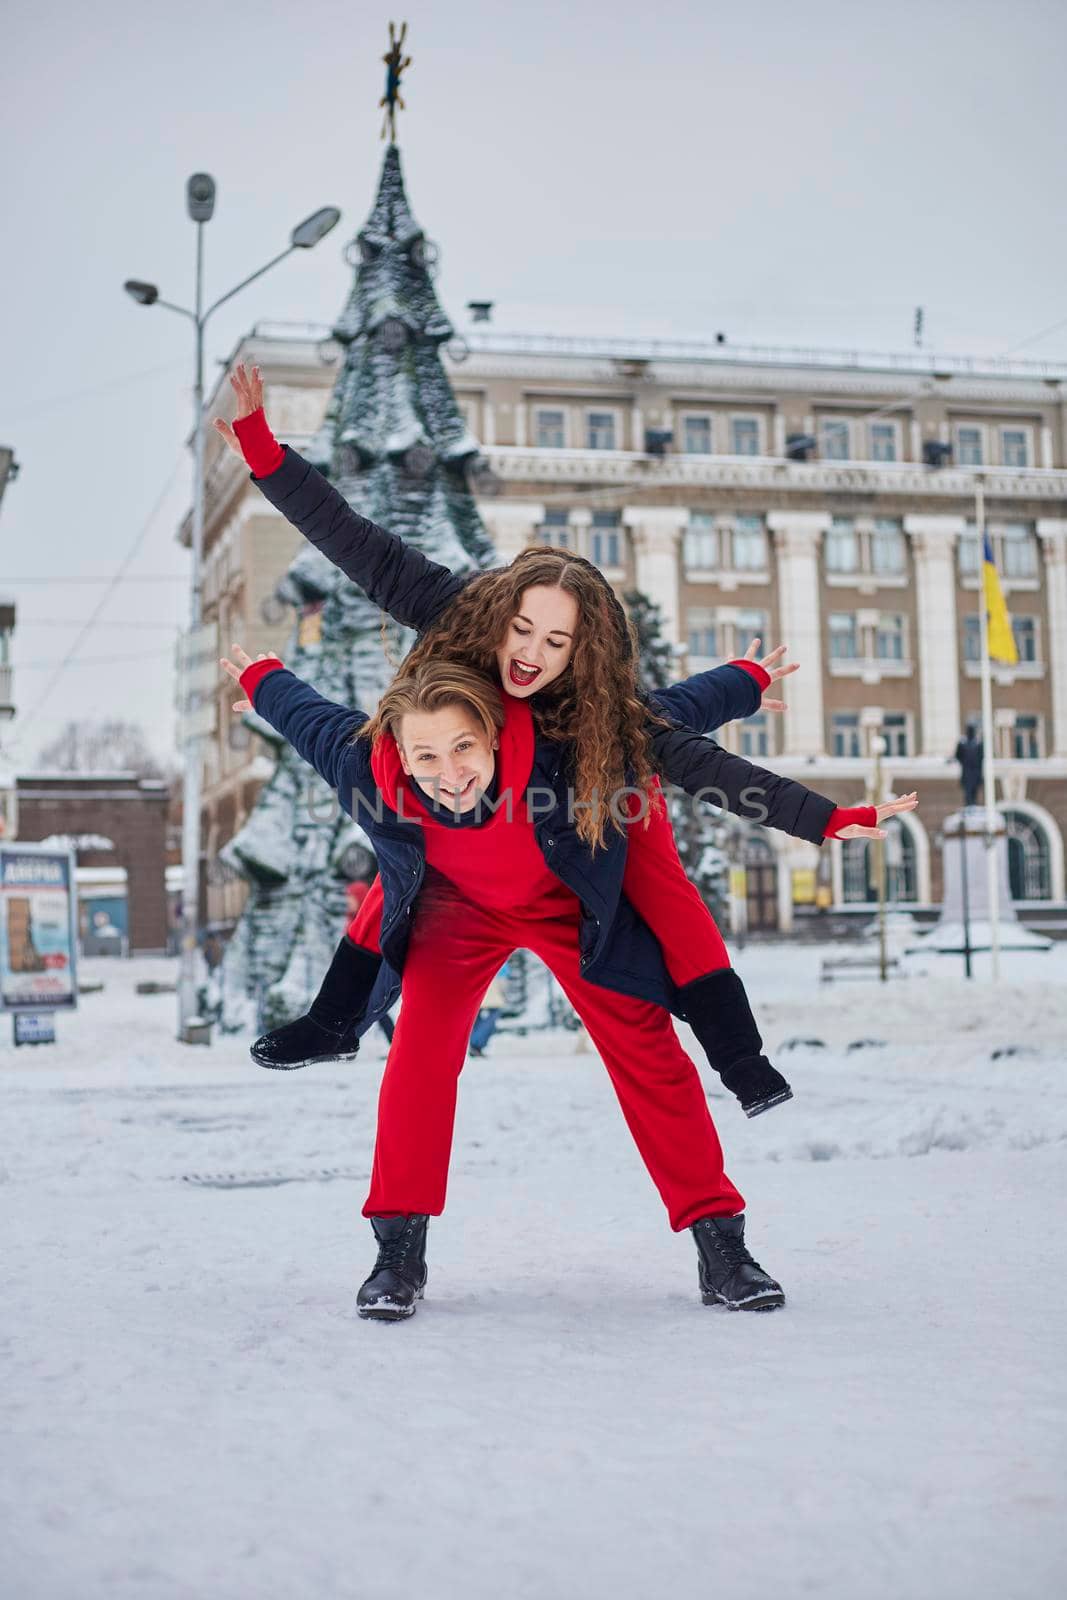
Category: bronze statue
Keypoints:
(969, 753)
(395, 62)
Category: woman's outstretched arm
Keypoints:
(710, 774)
(393, 574)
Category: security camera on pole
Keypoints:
(200, 204)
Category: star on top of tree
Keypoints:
(395, 63)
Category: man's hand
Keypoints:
(770, 664)
(248, 387)
(907, 802)
(243, 662)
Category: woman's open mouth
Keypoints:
(520, 674)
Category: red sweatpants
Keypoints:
(656, 886)
(455, 950)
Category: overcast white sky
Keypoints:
(786, 173)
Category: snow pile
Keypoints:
(191, 1407)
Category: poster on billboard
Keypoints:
(38, 902)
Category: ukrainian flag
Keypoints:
(1001, 638)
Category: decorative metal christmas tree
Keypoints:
(395, 445)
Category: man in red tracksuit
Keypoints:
(479, 885)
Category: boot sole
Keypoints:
(760, 1106)
(388, 1311)
(294, 1066)
(761, 1302)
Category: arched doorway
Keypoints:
(1029, 864)
(761, 885)
(901, 868)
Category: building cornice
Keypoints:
(631, 470)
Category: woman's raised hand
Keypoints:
(235, 669)
(248, 387)
(771, 664)
(907, 802)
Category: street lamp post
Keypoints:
(200, 203)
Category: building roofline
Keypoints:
(919, 363)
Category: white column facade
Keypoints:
(797, 535)
(657, 532)
(1052, 531)
(511, 524)
(933, 543)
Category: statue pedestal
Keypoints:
(966, 858)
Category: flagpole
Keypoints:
(988, 777)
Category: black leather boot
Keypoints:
(399, 1275)
(728, 1275)
(717, 1010)
(326, 1031)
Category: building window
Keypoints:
(1026, 738)
(696, 436)
(556, 529)
(1014, 447)
(1029, 868)
(755, 737)
(703, 635)
(744, 435)
(860, 882)
(750, 545)
(968, 552)
(883, 441)
(749, 625)
(834, 441)
(1025, 632)
(969, 447)
(844, 636)
(888, 547)
(842, 546)
(889, 637)
(604, 541)
(600, 430)
(551, 429)
(845, 733)
(895, 733)
(1018, 552)
(972, 637)
(701, 542)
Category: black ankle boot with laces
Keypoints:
(399, 1275)
(728, 1274)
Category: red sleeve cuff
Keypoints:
(754, 670)
(253, 676)
(845, 816)
(262, 452)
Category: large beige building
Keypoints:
(785, 493)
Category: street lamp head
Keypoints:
(146, 294)
(307, 234)
(200, 196)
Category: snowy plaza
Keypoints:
(197, 1410)
(534, 554)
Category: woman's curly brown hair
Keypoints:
(594, 705)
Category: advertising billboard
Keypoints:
(38, 905)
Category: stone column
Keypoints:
(933, 543)
(657, 532)
(511, 524)
(1052, 531)
(796, 546)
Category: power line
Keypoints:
(26, 623)
(99, 388)
(94, 661)
(91, 620)
(154, 577)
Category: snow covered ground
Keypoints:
(191, 1408)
